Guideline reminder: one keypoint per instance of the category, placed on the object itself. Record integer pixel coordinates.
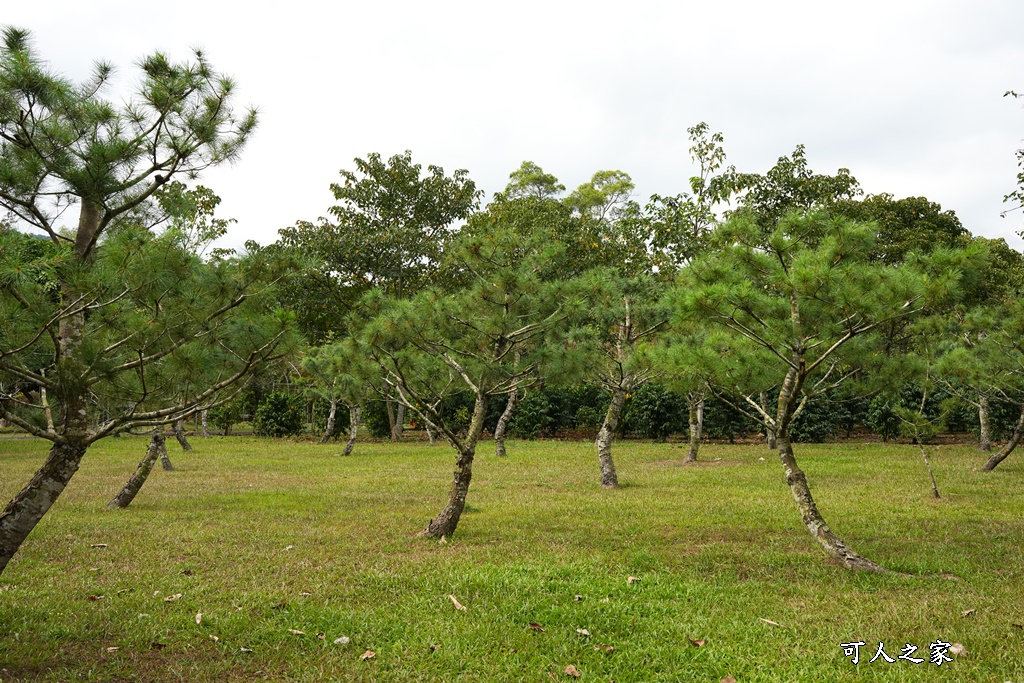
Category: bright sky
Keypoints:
(906, 94)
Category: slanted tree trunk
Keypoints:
(330, 422)
(609, 479)
(797, 480)
(353, 418)
(985, 429)
(506, 416)
(928, 464)
(696, 426)
(179, 434)
(1015, 437)
(134, 485)
(165, 459)
(206, 427)
(446, 522)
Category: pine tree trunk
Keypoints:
(696, 427)
(769, 432)
(431, 434)
(165, 459)
(446, 522)
(330, 422)
(609, 479)
(928, 464)
(26, 509)
(134, 485)
(390, 406)
(399, 422)
(985, 429)
(353, 420)
(812, 519)
(206, 427)
(1018, 431)
(506, 416)
(179, 434)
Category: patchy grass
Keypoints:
(264, 536)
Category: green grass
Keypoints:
(717, 548)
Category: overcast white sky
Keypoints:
(906, 94)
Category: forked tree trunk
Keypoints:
(609, 479)
(984, 425)
(696, 427)
(134, 485)
(446, 522)
(353, 419)
(506, 416)
(206, 427)
(26, 509)
(179, 434)
(330, 422)
(998, 457)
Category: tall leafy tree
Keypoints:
(808, 296)
(119, 313)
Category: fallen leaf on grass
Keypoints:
(214, 638)
(99, 545)
(95, 597)
(123, 590)
(728, 679)
(967, 612)
(244, 649)
(321, 635)
(295, 632)
(768, 621)
(583, 632)
(605, 648)
(698, 643)
(289, 547)
(113, 648)
(957, 649)
(157, 646)
(577, 598)
(369, 654)
(69, 536)
(187, 572)
(631, 580)
(1017, 625)
(199, 618)
(172, 598)
(434, 648)
(536, 627)
(305, 594)
(458, 605)
(572, 671)
(342, 640)
(94, 569)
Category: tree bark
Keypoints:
(985, 429)
(928, 464)
(609, 479)
(353, 419)
(769, 432)
(330, 421)
(134, 485)
(179, 434)
(446, 522)
(206, 427)
(26, 509)
(696, 427)
(165, 459)
(506, 416)
(998, 457)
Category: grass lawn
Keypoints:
(268, 538)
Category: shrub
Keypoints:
(279, 414)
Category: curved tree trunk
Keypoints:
(696, 427)
(26, 509)
(1018, 431)
(984, 424)
(506, 416)
(353, 419)
(812, 519)
(330, 421)
(446, 522)
(179, 434)
(134, 485)
(609, 479)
